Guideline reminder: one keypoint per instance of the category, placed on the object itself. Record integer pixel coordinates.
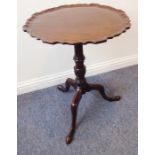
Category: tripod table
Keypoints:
(77, 25)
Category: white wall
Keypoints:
(39, 65)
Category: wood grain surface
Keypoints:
(77, 23)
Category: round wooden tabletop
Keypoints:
(78, 23)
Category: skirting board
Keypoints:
(54, 79)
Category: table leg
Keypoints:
(74, 108)
(69, 82)
(101, 89)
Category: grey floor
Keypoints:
(104, 128)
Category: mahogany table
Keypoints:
(77, 25)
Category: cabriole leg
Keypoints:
(100, 88)
(74, 108)
(69, 82)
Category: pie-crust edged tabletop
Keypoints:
(77, 23)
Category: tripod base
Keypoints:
(80, 90)
(81, 86)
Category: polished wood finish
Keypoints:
(81, 86)
(78, 23)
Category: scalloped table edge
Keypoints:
(121, 12)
